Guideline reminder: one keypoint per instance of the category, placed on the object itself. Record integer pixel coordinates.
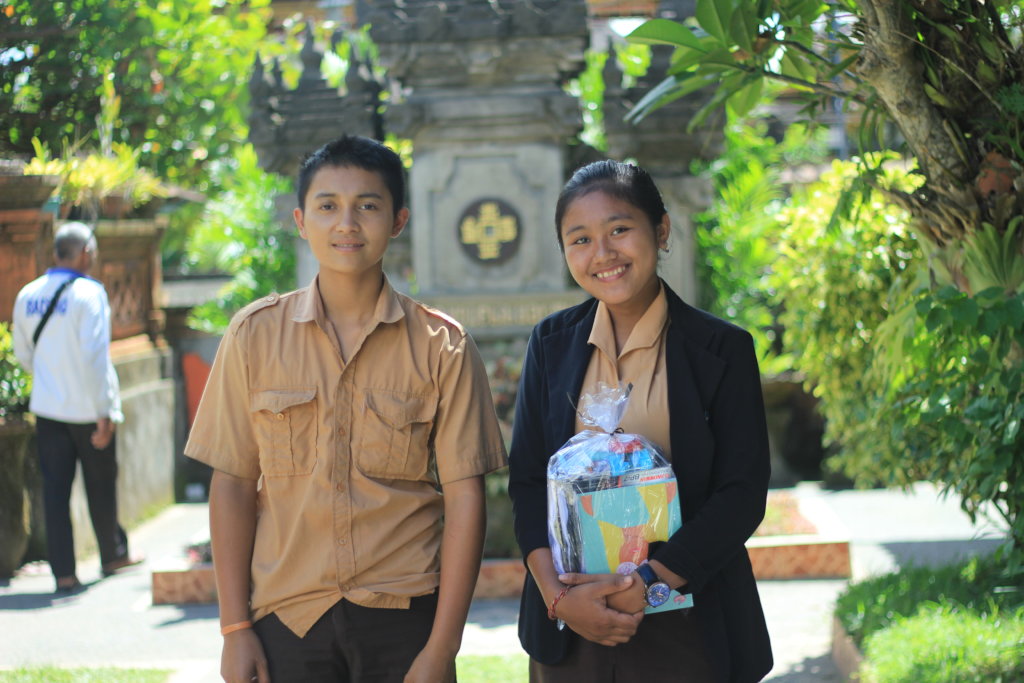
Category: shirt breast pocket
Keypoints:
(394, 435)
(285, 423)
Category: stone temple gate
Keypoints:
(477, 87)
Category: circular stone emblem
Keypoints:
(488, 231)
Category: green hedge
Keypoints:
(942, 643)
(962, 622)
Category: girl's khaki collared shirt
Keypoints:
(350, 457)
(642, 363)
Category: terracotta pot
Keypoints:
(115, 206)
(26, 191)
(15, 504)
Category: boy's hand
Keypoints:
(585, 609)
(431, 666)
(242, 660)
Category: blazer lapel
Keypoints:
(693, 375)
(568, 355)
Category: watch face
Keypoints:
(658, 594)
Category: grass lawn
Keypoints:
(492, 668)
(106, 675)
(471, 669)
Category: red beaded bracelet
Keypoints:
(554, 603)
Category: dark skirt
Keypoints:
(667, 647)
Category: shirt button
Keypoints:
(280, 416)
(341, 541)
(340, 486)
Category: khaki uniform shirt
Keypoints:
(641, 362)
(349, 457)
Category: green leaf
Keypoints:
(747, 97)
(937, 97)
(669, 90)
(665, 32)
(843, 65)
(713, 16)
(715, 59)
(743, 26)
(796, 65)
(936, 319)
(965, 312)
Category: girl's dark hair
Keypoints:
(358, 152)
(616, 179)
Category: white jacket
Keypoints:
(73, 378)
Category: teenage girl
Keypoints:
(697, 395)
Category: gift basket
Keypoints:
(610, 495)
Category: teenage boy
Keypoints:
(344, 421)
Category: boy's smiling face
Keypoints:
(348, 218)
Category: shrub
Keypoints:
(943, 643)
(738, 236)
(979, 585)
(239, 234)
(15, 382)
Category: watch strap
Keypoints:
(648, 574)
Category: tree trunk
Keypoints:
(946, 207)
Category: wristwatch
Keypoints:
(657, 591)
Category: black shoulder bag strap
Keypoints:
(51, 307)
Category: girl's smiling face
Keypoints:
(611, 249)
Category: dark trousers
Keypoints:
(349, 644)
(61, 447)
(667, 647)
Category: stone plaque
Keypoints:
(488, 231)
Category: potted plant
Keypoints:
(21, 190)
(16, 431)
(99, 185)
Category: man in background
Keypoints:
(62, 335)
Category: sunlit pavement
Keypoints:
(113, 622)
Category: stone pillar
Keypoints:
(284, 124)
(661, 144)
(26, 246)
(480, 97)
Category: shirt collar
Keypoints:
(60, 270)
(645, 334)
(310, 307)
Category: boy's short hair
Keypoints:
(358, 152)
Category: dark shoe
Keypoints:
(69, 587)
(114, 567)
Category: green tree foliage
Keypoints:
(738, 236)
(918, 383)
(835, 283)
(15, 382)
(947, 73)
(180, 68)
(239, 234)
(955, 401)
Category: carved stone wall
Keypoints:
(129, 268)
(478, 90)
(285, 124)
(26, 245)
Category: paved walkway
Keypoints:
(114, 622)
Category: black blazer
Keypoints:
(719, 454)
